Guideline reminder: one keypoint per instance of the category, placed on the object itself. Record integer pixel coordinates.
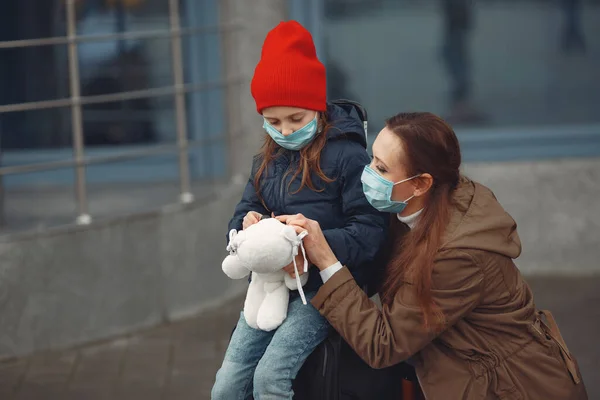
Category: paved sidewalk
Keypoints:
(178, 361)
(175, 362)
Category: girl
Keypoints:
(311, 162)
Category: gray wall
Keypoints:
(557, 209)
(242, 50)
(78, 284)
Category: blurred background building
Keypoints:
(518, 80)
(127, 130)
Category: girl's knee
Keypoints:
(269, 382)
(221, 390)
(231, 383)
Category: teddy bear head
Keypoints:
(264, 247)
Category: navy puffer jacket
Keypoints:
(353, 228)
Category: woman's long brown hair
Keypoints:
(310, 159)
(430, 146)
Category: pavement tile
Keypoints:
(91, 392)
(12, 372)
(50, 371)
(184, 385)
(54, 390)
(100, 369)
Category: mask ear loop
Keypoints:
(407, 179)
(299, 243)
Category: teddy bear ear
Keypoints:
(289, 233)
(235, 239)
(240, 237)
(232, 234)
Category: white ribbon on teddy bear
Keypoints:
(231, 247)
(298, 243)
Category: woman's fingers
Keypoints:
(289, 219)
(290, 270)
(303, 222)
(282, 218)
(298, 229)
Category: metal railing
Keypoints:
(178, 90)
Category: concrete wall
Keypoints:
(242, 52)
(66, 286)
(557, 209)
(77, 284)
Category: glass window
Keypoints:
(126, 80)
(488, 67)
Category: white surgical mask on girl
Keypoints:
(297, 139)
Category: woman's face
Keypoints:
(389, 160)
(288, 120)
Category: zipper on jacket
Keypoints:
(282, 184)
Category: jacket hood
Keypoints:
(345, 124)
(479, 222)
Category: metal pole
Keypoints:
(151, 34)
(146, 151)
(232, 99)
(119, 96)
(2, 219)
(186, 195)
(76, 117)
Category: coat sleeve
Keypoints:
(249, 202)
(359, 241)
(387, 336)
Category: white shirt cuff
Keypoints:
(329, 271)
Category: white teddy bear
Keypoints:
(264, 249)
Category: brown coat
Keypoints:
(496, 346)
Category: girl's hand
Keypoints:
(315, 244)
(250, 219)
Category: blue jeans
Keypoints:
(263, 364)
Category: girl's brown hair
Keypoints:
(310, 159)
(430, 146)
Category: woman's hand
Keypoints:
(250, 219)
(299, 263)
(315, 244)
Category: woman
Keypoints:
(453, 300)
(311, 163)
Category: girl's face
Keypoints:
(287, 120)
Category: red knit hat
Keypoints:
(289, 72)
